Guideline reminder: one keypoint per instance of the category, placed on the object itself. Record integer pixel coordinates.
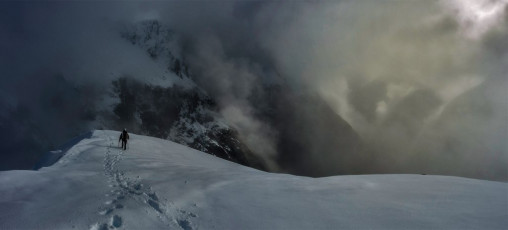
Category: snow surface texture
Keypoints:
(158, 184)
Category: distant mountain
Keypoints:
(313, 139)
(164, 99)
(182, 112)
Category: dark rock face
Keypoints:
(186, 116)
(159, 42)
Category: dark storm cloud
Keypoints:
(421, 84)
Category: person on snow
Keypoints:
(124, 136)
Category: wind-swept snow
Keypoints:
(157, 184)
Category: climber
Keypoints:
(124, 136)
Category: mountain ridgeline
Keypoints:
(186, 116)
(181, 113)
(312, 139)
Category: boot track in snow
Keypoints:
(125, 189)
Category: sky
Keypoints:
(423, 83)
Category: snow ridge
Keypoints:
(125, 188)
(158, 184)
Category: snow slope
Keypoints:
(160, 184)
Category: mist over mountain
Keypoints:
(309, 88)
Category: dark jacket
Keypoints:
(124, 136)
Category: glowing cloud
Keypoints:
(477, 17)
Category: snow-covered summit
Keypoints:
(158, 184)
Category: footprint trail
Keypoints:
(125, 189)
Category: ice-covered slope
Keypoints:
(158, 184)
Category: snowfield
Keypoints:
(158, 184)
